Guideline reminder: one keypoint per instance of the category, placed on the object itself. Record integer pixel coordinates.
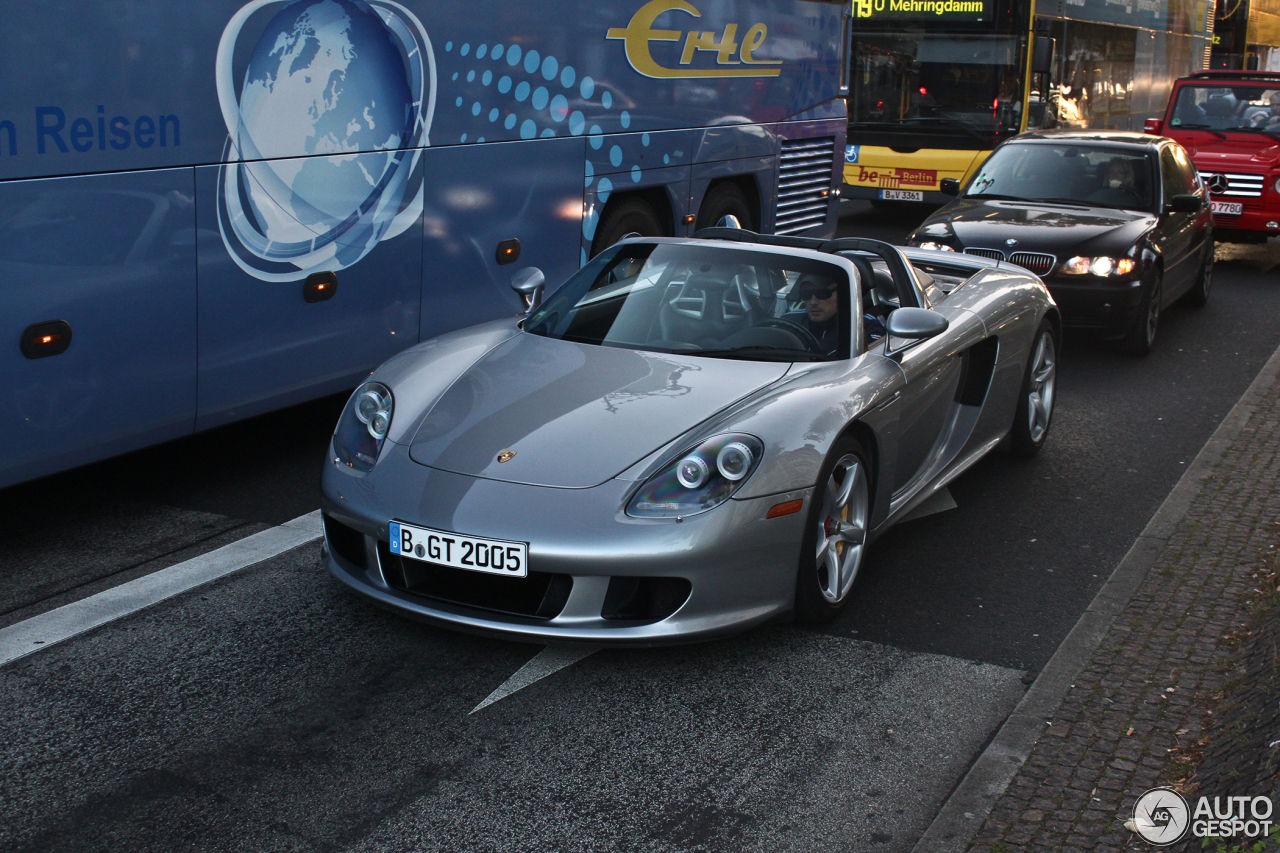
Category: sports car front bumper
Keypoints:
(595, 574)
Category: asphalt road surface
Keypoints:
(272, 710)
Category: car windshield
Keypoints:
(1248, 109)
(1092, 175)
(709, 300)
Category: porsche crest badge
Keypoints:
(506, 456)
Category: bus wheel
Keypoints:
(628, 216)
(725, 199)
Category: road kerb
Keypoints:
(961, 816)
(70, 620)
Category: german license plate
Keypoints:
(902, 195)
(1229, 208)
(494, 556)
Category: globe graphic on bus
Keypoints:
(325, 113)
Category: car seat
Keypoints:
(1220, 110)
(693, 311)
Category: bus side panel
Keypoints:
(477, 196)
(262, 344)
(114, 257)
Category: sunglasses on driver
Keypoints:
(804, 294)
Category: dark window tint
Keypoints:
(1171, 176)
(1099, 176)
(1187, 177)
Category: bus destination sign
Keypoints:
(949, 10)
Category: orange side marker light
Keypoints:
(787, 508)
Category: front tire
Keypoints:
(1142, 335)
(1037, 394)
(835, 534)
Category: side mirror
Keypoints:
(1185, 204)
(1153, 126)
(949, 186)
(729, 221)
(916, 324)
(1042, 55)
(528, 283)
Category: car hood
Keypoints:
(1249, 156)
(574, 415)
(1054, 229)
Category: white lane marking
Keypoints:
(47, 629)
(939, 501)
(550, 660)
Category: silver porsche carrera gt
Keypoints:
(687, 438)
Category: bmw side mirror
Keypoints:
(528, 283)
(914, 324)
(949, 186)
(1185, 204)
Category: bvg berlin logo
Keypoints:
(638, 34)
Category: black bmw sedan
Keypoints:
(1117, 224)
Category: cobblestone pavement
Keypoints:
(1137, 713)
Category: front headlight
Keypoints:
(1100, 266)
(363, 426)
(699, 479)
(941, 247)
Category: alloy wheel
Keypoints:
(1040, 397)
(842, 528)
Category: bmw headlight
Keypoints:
(699, 479)
(363, 426)
(1100, 266)
(941, 247)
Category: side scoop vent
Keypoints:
(805, 171)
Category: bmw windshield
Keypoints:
(1088, 175)
(703, 300)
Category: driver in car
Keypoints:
(820, 300)
(1119, 187)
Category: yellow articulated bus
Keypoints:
(935, 85)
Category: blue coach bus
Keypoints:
(210, 210)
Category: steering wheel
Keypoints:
(1133, 193)
(808, 338)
